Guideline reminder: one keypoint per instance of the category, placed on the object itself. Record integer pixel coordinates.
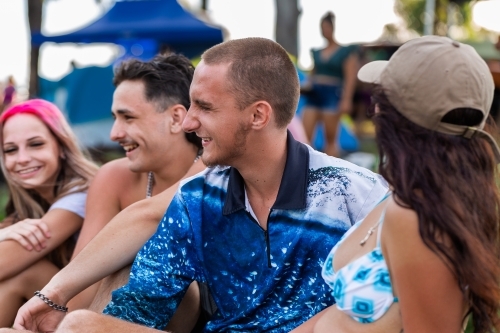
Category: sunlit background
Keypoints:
(357, 21)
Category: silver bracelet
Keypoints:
(50, 303)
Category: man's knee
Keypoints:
(76, 321)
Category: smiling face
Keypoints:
(139, 128)
(31, 154)
(215, 117)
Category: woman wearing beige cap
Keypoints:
(427, 257)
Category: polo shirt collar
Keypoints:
(292, 193)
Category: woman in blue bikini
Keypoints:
(426, 259)
(330, 87)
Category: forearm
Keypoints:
(113, 248)
(161, 273)
(62, 225)
(84, 299)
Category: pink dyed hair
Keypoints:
(47, 112)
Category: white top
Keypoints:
(73, 202)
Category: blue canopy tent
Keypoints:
(151, 24)
(129, 21)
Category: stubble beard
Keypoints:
(232, 153)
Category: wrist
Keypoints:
(56, 294)
(50, 302)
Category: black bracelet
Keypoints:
(50, 303)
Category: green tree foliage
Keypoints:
(448, 13)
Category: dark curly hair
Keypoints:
(450, 182)
(166, 78)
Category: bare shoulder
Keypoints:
(399, 220)
(405, 251)
(115, 182)
(400, 234)
(117, 169)
(116, 174)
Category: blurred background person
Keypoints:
(47, 175)
(8, 93)
(330, 86)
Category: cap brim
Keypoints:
(370, 73)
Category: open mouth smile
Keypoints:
(28, 170)
(129, 148)
(205, 141)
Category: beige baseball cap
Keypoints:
(429, 76)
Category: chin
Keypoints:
(135, 167)
(213, 162)
(29, 186)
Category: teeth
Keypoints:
(206, 139)
(130, 147)
(28, 170)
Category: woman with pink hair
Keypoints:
(47, 175)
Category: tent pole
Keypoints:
(430, 8)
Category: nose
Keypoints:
(23, 156)
(117, 133)
(191, 122)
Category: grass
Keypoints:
(4, 197)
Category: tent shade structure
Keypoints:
(85, 96)
(163, 21)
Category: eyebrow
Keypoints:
(122, 112)
(203, 104)
(30, 139)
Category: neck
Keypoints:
(47, 194)
(331, 42)
(263, 169)
(174, 168)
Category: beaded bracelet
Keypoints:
(50, 303)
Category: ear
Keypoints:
(178, 113)
(262, 114)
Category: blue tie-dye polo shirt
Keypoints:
(261, 281)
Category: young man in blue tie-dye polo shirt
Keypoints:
(257, 224)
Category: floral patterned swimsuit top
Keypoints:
(362, 288)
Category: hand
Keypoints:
(30, 233)
(37, 316)
(345, 106)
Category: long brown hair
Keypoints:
(450, 182)
(75, 173)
